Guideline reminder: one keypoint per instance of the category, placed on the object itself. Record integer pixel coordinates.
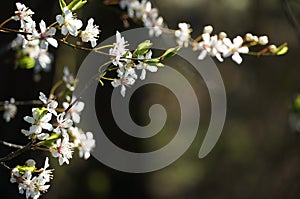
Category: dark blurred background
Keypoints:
(257, 155)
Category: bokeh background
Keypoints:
(258, 153)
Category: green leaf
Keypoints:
(49, 141)
(62, 4)
(160, 65)
(153, 61)
(281, 50)
(22, 169)
(142, 48)
(170, 53)
(76, 4)
(26, 62)
(41, 111)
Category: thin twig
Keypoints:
(24, 103)
(11, 145)
(18, 152)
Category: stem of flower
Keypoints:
(107, 78)
(5, 166)
(5, 22)
(82, 48)
(54, 87)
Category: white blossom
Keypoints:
(51, 104)
(46, 174)
(155, 26)
(183, 34)
(10, 110)
(46, 35)
(131, 5)
(23, 14)
(90, 33)
(69, 24)
(119, 49)
(235, 48)
(69, 79)
(87, 143)
(62, 149)
(75, 110)
(212, 46)
(63, 122)
(127, 77)
(145, 66)
(38, 123)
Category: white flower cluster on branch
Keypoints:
(52, 129)
(52, 124)
(219, 46)
(32, 43)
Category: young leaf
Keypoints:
(170, 53)
(22, 169)
(160, 65)
(76, 4)
(62, 4)
(49, 141)
(142, 48)
(281, 50)
(26, 62)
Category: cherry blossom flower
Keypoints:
(235, 48)
(211, 45)
(69, 79)
(46, 174)
(90, 33)
(145, 66)
(131, 5)
(183, 34)
(62, 149)
(51, 104)
(31, 185)
(155, 26)
(87, 143)
(39, 122)
(46, 35)
(119, 49)
(75, 110)
(10, 110)
(23, 14)
(127, 77)
(63, 122)
(69, 23)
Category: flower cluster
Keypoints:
(30, 180)
(56, 132)
(53, 129)
(144, 11)
(219, 46)
(52, 125)
(32, 43)
(128, 63)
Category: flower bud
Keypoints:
(30, 162)
(249, 37)
(222, 35)
(208, 29)
(263, 40)
(273, 48)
